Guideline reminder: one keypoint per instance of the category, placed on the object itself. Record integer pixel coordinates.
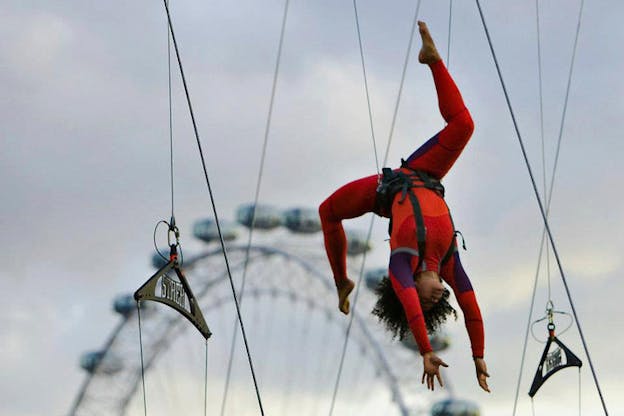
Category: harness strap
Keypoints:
(420, 228)
(428, 181)
(393, 182)
(452, 248)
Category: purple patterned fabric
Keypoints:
(423, 149)
(400, 267)
(461, 278)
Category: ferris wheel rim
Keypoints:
(264, 251)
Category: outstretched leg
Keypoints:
(439, 153)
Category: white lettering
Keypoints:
(173, 291)
(553, 360)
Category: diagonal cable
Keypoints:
(541, 112)
(541, 206)
(142, 360)
(170, 114)
(543, 239)
(368, 101)
(206, 381)
(552, 180)
(256, 198)
(350, 323)
(450, 24)
(400, 93)
(370, 229)
(212, 201)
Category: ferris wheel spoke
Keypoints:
(294, 330)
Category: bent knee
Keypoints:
(467, 122)
(464, 123)
(458, 131)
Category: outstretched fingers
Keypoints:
(437, 373)
(440, 379)
(483, 382)
(431, 380)
(431, 370)
(482, 374)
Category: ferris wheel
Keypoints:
(294, 331)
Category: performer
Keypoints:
(422, 236)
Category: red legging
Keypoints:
(435, 157)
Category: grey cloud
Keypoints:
(84, 149)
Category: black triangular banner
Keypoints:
(552, 362)
(175, 293)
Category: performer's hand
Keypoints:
(344, 289)
(431, 368)
(482, 373)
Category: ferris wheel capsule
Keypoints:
(439, 342)
(372, 277)
(357, 243)
(266, 217)
(455, 407)
(126, 304)
(207, 230)
(101, 362)
(159, 259)
(302, 220)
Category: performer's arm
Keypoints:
(402, 262)
(351, 200)
(453, 273)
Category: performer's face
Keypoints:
(430, 289)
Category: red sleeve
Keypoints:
(402, 263)
(351, 200)
(453, 273)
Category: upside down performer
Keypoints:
(422, 236)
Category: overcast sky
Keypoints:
(84, 160)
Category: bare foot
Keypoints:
(344, 289)
(428, 53)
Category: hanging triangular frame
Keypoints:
(553, 363)
(174, 294)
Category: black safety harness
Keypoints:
(395, 181)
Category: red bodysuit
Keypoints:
(435, 157)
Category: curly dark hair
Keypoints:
(390, 311)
